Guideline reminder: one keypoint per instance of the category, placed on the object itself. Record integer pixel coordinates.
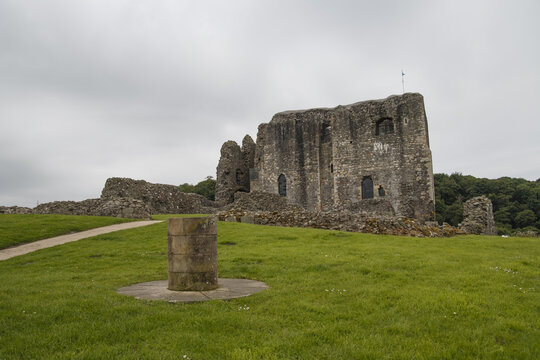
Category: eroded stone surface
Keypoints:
(368, 155)
(232, 173)
(260, 201)
(478, 216)
(343, 221)
(113, 206)
(160, 198)
(248, 153)
(15, 210)
(192, 253)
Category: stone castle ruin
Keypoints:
(364, 167)
(369, 157)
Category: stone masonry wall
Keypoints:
(342, 221)
(233, 169)
(15, 210)
(160, 198)
(478, 217)
(371, 154)
(114, 206)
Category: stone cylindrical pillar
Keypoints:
(192, 253)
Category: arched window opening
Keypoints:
(367, 188)
(381, 191)
(384, 126)
(282, 185)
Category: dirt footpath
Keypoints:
(59, 240)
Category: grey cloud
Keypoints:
(151, 89)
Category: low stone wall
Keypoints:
(372, 207)
(115, 207)
(15, 210)
(260, 201)
(160, 198)
(343, 221)
(478, 217)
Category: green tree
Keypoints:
(446, 188)
(440, 209)
(522, 193)
(206, 188)
(510, 197)
(454, 213)
(525, 218)
(503, 216)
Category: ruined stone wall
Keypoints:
(326, 155)
(114, 206)
(478, 216)
(233, 169)
(343, 221)
(15, 210)
(160, 198)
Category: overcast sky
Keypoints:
(150, 89)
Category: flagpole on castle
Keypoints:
(403, 80)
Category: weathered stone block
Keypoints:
(193, 226)
(190, 263)
(192, 253)
(192, 281)
(181, 245)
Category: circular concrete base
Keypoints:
(227, 289)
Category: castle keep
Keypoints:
(368, 157)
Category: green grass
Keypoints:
(18, 229)
(332, 295)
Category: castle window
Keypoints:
(384, 126)
(282, 185)
(367, 188)
(331, 168)
(381, 191)
(239, 175)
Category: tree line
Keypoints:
(516, 202)
(206, 188)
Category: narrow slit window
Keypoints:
(282, 185)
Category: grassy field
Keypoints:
(17, 229)
(332, 295)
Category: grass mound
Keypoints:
(332, 295)
(18, 229)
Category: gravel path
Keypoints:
(59, 240)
